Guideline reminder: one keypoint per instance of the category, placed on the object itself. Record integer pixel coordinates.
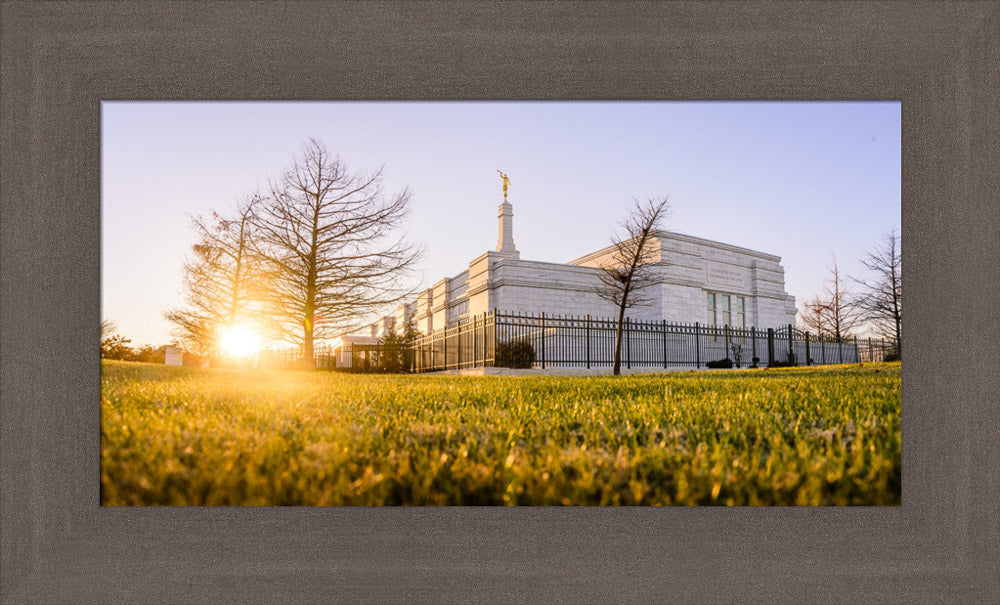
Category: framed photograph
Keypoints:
(61, 62)
(568, 340)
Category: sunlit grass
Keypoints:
(794, 436)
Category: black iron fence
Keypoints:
(470, 344)
(324, 357)
(559, 341)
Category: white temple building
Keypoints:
(700, 280)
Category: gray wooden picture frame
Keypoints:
(60, 60)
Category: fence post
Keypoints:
(840, 350)
(458, 362)
(791, 346)
(808, 358)
(588, 341)
(496, 321)
(770, 346)
(697, 346)
(445, 346)
(543, 340)
(664, 344)
(628, 346)
(857, 353)
(753, 339)
(725, 341)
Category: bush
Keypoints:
(396, 356)
(116, 347)
(515, 354)
(891, 357)
(192, 360)
(147, 354)
(720, 363)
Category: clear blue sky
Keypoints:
(803, 180)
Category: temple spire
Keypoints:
(505, 216)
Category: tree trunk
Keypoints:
(308, 359)
(899, 339)
(616, 369)
(237, 290)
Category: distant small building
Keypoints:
(173, 356)
(344, 345)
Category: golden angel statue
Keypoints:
(506, 181)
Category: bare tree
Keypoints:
(108, 328)
(221, 281)
(813, 316)
(629, 270)
(880, 300)
(327, 239)
(837, 308)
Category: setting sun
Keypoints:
(239, 341)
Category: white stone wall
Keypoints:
(404, 313)
(687, 267)
(382, 326)
(695, 267)
(173, 356)
(556, 289)
(423, 319)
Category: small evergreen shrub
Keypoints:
(720, 363)
(515, 354)
(891, 357)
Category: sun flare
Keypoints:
(239, 341)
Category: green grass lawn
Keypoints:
(807, 436)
